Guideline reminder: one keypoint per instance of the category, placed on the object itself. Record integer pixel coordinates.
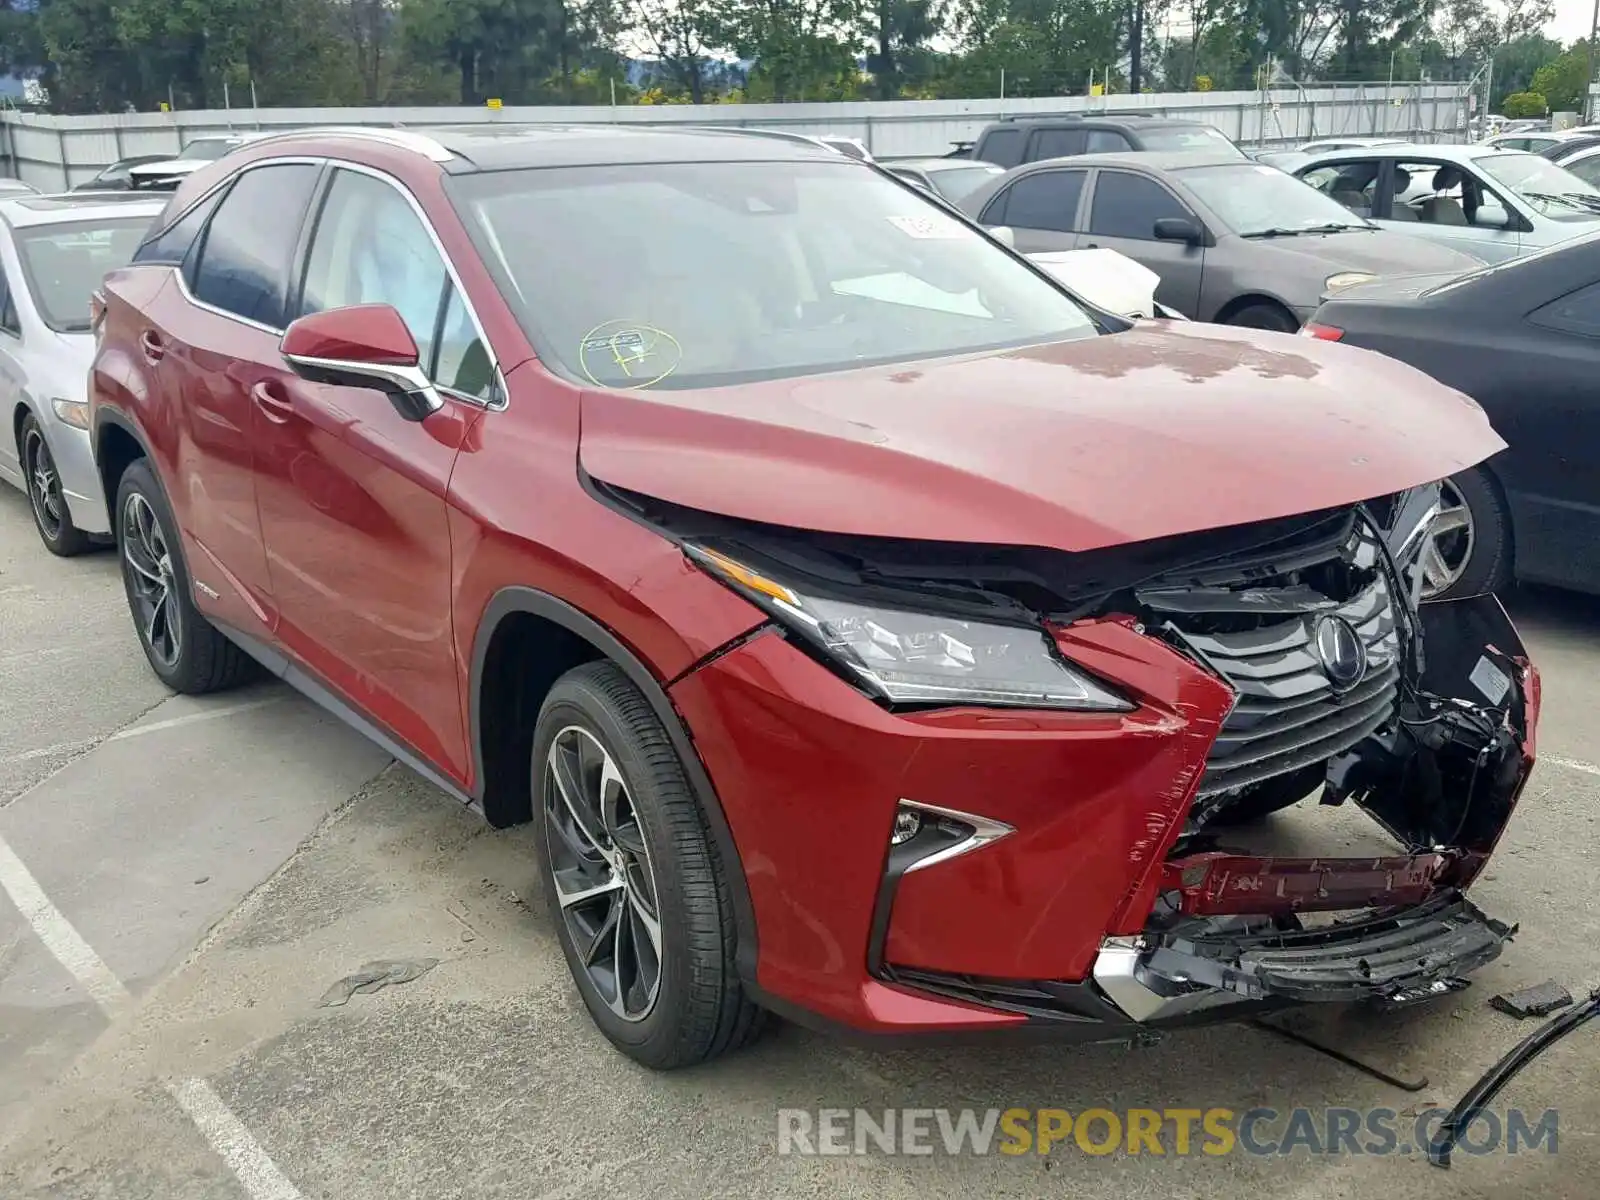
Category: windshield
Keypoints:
(1552, 190)
(206, 149)
(1254, 199)
(65, 263)
(697, 274)
(1187, 137)
(960, 182)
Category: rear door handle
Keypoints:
(150, 342)
(274, 404)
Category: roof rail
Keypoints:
(826, 141)
(405, 139)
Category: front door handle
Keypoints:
(273, 402)
(154, 349)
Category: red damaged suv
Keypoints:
(874, 632)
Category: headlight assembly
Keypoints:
(906, 657)
(1347, 279)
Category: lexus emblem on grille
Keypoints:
(1341, 652)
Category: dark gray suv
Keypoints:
(1011, 143)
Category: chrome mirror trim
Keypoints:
(413, 381)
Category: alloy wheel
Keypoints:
(1447, 551)
(603, 877)
(44, 486)
(152, 585)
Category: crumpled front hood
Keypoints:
(1169, 428)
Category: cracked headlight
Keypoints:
(908, 657)
(1347, 279)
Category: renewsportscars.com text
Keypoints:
(1211, 1132)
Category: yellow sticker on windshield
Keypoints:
(627, 354)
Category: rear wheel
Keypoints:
(183, 648)
(1264, 316)
(46, 497)
(632, 876)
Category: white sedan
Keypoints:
(54, 251)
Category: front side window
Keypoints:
(63, 264)
(1057, 143)
(243, 261)
(701, 274)
(1128, 206)
(1105, 141)
(370, 247)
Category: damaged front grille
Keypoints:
(1314, 655)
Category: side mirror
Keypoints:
(1005, 235)
(1491, 216)
(1179, 229)
(363, 346)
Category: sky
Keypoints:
(1573, 18)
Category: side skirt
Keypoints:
(324, 697)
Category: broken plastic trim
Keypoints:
(1387, 957)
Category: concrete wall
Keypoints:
(55, 152)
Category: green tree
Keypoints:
(682, 36)
(803, 49)
(1525, 104)
(1561, 82)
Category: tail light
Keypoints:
(1323, 333)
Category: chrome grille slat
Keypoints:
(1288, 716)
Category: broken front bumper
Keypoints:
(1394, 957)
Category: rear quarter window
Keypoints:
(170, 242)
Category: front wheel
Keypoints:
(1468, 547)
(632, 876)
(183, 648)
(1264, 316)
(46, 497)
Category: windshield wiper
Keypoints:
(1282, 231)
(1570, 199)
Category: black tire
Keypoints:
(49, 506)
(699, 1010)
(184, 649)
(1264, 316)
(1487, 539)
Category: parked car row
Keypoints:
(800, 560)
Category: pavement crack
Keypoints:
(78, 750)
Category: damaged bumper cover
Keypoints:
(1263, 667)
(1391, 957)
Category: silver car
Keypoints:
(1233, 241)
(1495, 204)
(54, 251)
